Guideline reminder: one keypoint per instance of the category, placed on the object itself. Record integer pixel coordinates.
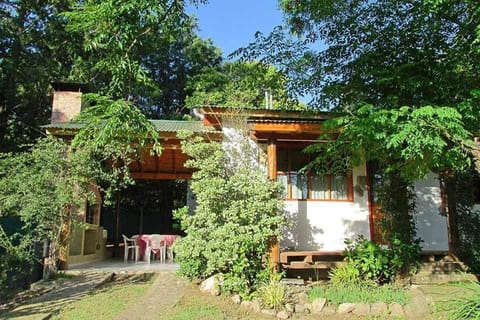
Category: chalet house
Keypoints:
(323, 209)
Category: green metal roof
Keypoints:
(160, 125)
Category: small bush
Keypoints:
(361, 293)
(346, 275)
(369, 258)
(272, 295)
(236, 215)
(382, 263)
(15, 274)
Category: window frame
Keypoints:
(330, 177)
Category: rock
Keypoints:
(430, 301)
(329, 310)
(318, 304)
(253, 305)
(236, 299)
(256, 305)
(283, 315)
(307, 306)
(361, 309)
(345, 308)
(396, 310)
(378, 309)
(418, 307)
(290, 307)
(246, 304)
(269, 312)
(301, 308)
(302, 298)
(212, 285)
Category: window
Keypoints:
(297, 185)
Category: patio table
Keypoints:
(145, 239)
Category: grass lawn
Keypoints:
(202, 306)
(105, 303)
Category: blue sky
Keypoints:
(232, 23)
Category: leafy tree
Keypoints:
(45, 190)
(237, 213)
(142, 51)
(403, 76)
(240, 84)
(113, 134)
(34, 49)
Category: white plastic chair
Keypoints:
(130, 244)
(157, 246)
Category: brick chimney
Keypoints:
(67, 100)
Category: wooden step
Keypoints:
(300, 265)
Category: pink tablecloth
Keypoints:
(144, 241)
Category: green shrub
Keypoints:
(371, 260)
(347, 275)
(361, 293)
(15, 273)
(382, 263)
(237, 213)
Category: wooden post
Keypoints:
(116, 252)
(274, 254)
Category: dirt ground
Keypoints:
(168, 297)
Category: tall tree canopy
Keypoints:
(34, 49)
(386, 55)
(143, 51)
(241, 84)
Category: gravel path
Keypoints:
(160, 297)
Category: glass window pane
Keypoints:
(320, 187)
(339, 188)
(299, 186)
(283, 180)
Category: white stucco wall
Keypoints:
(324, 225)
(430, 221)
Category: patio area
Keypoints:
(118, 265)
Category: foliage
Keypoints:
(45, 189)
(412, 107)
(270, 291)
(272, 295)
(34, 49)
(347, 275)
(142, 51)
(16, 265)
(381, 264)
(363, 293)
(241, 84)
(113, 135)
(465, 306)
(237, 213)
(389, 137)
(369, 258)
